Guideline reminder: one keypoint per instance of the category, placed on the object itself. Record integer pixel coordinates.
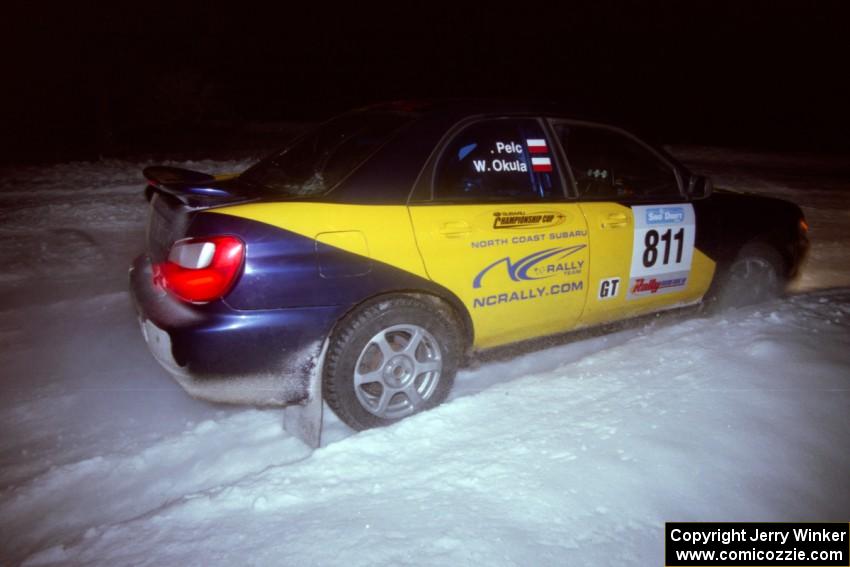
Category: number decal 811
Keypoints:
(650, 253)
(663, 249)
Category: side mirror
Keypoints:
(699, 187)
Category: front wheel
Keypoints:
(388, 360)
(754, 277)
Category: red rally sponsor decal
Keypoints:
(642, 285)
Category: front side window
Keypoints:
(319, 160)
(607, 165)
(497, 160)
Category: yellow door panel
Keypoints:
(642, 259)
(520, 270)
(610, 233)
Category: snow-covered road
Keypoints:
(575, 454)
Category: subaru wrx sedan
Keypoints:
(363, 262)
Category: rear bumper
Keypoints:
(261, 357)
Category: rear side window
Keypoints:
(608, 165)
(497, 160)
(317, 161)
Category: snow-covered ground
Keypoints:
(575, 454)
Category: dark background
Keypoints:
(84, 81)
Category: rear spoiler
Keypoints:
(163, 175)
(191, 188)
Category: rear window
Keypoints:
(317, 161)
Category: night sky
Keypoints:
(84, 81)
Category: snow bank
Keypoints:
(738, 417)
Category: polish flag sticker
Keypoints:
(541, 164)
(537, 146)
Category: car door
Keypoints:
(496, 230)
(641, 228)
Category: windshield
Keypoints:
(319, 160)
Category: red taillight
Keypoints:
(202, 269)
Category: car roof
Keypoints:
(459, 107)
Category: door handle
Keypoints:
(454, 229)
(615, 220)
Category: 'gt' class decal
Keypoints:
(609, 288)
(663, 249)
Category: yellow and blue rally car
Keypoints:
(363, 262)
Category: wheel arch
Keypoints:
(772, 241)
(729, 223)
(349, 341)
(447, 303)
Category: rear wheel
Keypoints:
(755, 276)
(389, 360)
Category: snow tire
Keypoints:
(389, 359)
(755, 276)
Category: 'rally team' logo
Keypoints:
(538, 265)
